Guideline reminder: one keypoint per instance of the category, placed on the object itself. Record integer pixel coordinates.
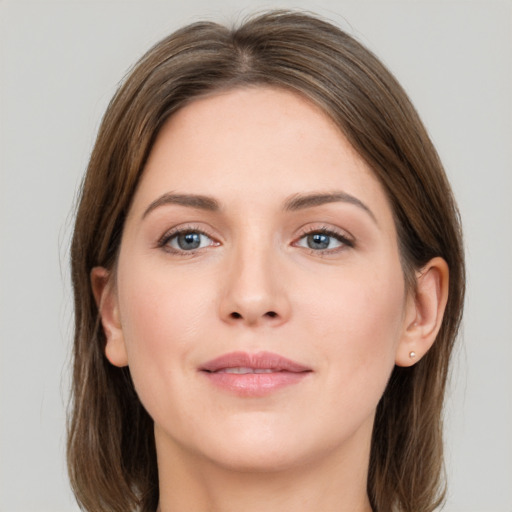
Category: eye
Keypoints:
(186, 240)
(324, 240)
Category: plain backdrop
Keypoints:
(60, 62)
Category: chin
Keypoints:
(261, 458)
(250, 447)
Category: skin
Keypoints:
(255, 285)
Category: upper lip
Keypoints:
(260, 360)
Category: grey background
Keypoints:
(60, 63)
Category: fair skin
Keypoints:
(257, 228)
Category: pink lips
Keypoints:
(253, 374)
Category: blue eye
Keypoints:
(322, 240)
(319, 241)
(188, 241)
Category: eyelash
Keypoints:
(163, 242)
(343, 239)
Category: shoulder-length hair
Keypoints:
(111, 448)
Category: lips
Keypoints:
(259, 361)
(253, 374)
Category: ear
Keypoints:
(106, 300)
(424, 312)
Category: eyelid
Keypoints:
(346, 239)
(163, 241)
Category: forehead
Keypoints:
(252, 144)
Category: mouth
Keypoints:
(253, 375)
(243, 371)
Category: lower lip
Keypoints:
(255, 384)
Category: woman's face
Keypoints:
(259, 298)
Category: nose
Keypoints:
(254, 289)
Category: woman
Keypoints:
(269, 279)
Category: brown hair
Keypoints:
(111, 449)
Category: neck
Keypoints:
(336, 482)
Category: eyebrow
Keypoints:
(303, 201)
(191, 200)
(295, 203)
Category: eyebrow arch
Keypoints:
(191, 200)
(294, 203)
(303, 201)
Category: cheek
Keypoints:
(357, 323)
(162, 313)
(359, 302)
(159, 304)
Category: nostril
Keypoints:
(269, 314)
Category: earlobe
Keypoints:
(424, 314)
(106, 300)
